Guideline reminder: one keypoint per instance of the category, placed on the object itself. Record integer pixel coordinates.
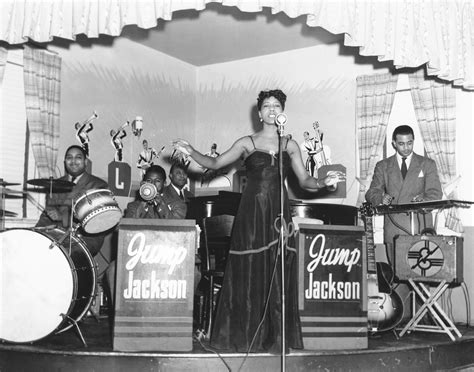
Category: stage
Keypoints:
(417, 351)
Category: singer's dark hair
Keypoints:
(277, 93)
(78, 148)
(402, 130)
(155, 169)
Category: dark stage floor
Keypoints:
(417, 351)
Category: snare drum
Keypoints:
(97, 211)
(45, 286)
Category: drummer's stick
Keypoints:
(70, 227)
(35, 203)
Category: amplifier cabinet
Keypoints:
(429, 258)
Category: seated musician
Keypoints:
(58, 207)
(178, 180)
(158, 206)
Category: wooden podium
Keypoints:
(332, 281)
(154, 285)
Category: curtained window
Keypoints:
(374, 101)
(435, 110)
(42, 76)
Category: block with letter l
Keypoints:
(154, 285)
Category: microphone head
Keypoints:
(148, 191)
(281, 119)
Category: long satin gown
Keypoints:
(250, 265)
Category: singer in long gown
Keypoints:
(253, 269)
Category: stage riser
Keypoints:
(423, 359)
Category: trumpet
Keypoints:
(127, 123)
(90, 120)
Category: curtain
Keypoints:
(435, 110)
(42, 75)
(3, 62)
(374, 101)
(411, 33)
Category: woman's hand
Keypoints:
(182, 146)
(333, 178)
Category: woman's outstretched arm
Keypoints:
(230, 156)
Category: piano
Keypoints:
(227, 202)
(330, 214)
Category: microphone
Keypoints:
(148, 191)
(280, 121)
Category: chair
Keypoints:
(217, 231)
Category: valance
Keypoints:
(438, 33)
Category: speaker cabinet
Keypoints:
(429, 258)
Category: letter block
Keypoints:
(119, 178)
(332, 269)
(154, 285)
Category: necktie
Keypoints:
(73, 179)
(181, 194)
(404, 167)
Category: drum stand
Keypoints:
(76, 326)
(431, 305)
(71, 231)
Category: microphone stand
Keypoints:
(282, 245)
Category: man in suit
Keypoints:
(160, 207)
(403, 178)
(58, 207)
(157, 206)
(179, 178)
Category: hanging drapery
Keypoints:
(42, 75)
(3, 62)
(375, 96)
(435, 110)
(410, 33)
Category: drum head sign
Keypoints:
(154, 291)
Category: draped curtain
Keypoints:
(435, 110)
(42, 76)
(374, 101)
(411, 33)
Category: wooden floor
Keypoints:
(417, 351)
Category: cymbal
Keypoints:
(51, 183)
(5, 183)
(4, 213)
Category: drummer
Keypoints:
(58, 207)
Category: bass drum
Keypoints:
(47, 284)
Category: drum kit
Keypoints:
(49, 277)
